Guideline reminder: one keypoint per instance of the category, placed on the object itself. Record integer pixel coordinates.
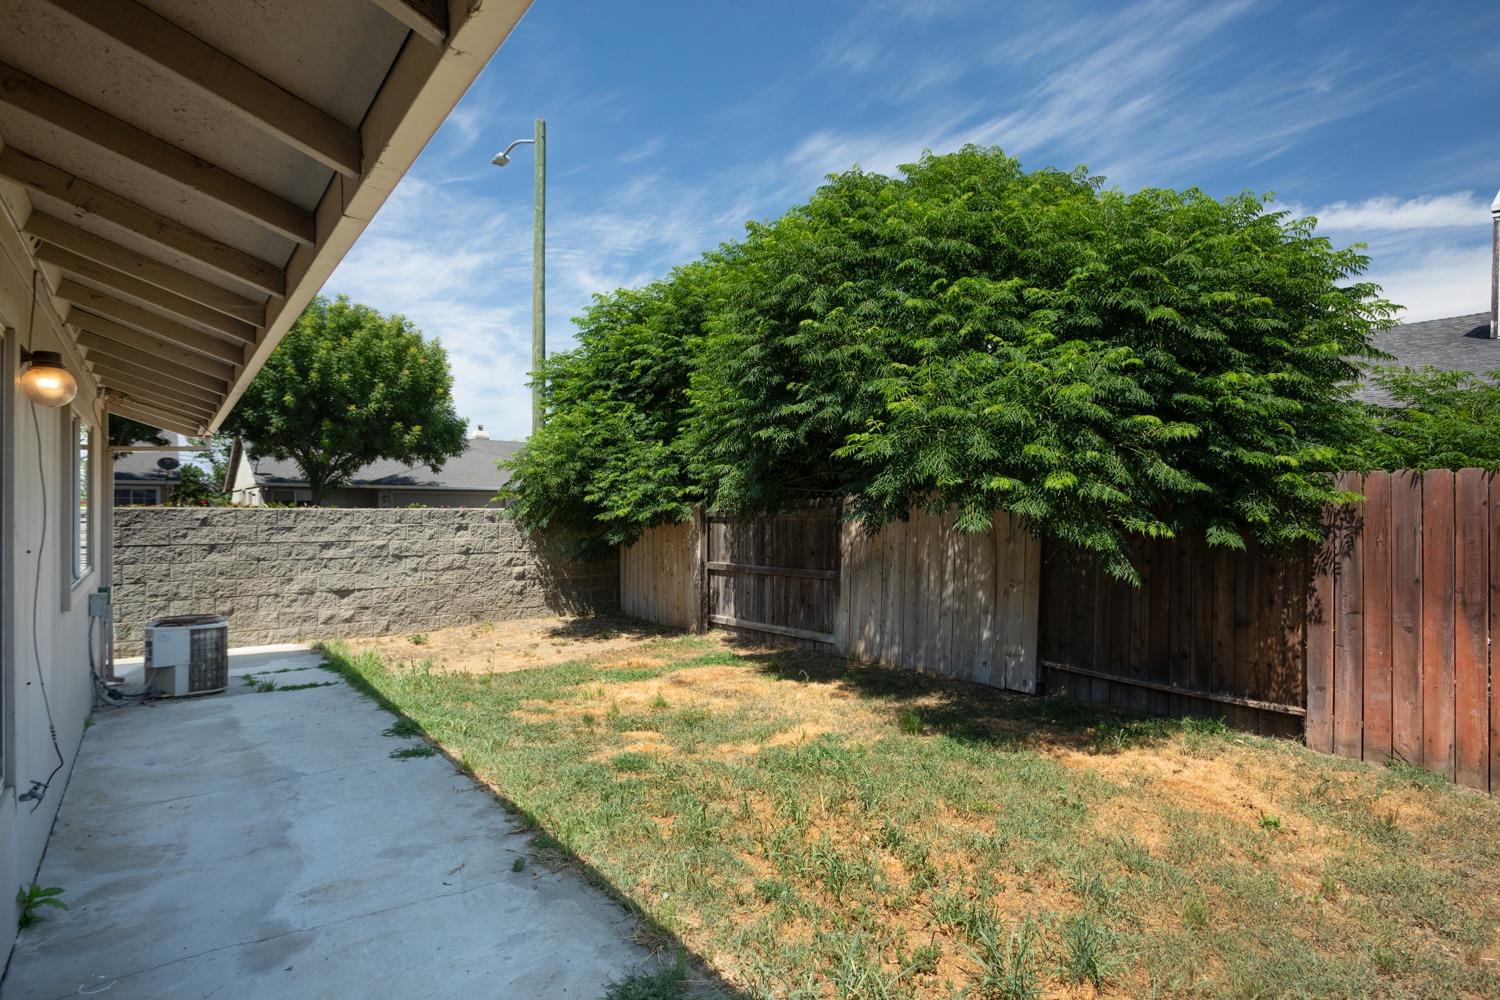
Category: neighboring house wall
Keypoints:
(56, 654)
(290, 574)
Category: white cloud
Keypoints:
(1442, 281)
(1385, 212)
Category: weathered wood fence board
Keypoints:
(1402, 607)
(1208, 632)
(776, 576)
(923, 595)
(660, 576)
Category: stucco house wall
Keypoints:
(44, 670)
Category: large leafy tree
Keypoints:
(608, 460)
(348, 386)
(972, 335)
(1438, 420)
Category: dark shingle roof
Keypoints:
(147, 467)
(475, 469)
(1458, 343)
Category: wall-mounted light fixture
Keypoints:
(45, 380)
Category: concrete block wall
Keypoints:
(285, 575)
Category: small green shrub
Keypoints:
(32, 898)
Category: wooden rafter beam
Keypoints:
(109, 335)
(69, 237)
(146, 321)
(427, 18)
(114, 373)
(147, 414)
(142, 366)
(154, 395)
(67, 113)
(222, 79)
(88, 200)
(142, 318)
(144, 292)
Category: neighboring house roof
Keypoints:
(147, 467)
(1457, 343)
(475, 469)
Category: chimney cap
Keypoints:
(480, 434)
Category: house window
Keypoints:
(137, 496)
(83, 474)
(83, 468)
(297, 498)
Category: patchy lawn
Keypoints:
(814, 829)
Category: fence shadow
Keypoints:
(961, 710)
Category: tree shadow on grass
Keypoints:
(967, 711)
(601, 628)
(666, 948)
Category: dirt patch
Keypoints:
(501, 647)
(1213, 785)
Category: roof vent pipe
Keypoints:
(1495, 268)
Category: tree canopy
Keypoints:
(348, 386)
(975, 336)
(124, 431)
(1438, 420)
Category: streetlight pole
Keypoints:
(538, 264)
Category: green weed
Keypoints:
(669, 983)
(1087, 950)
(32, 898)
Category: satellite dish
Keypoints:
(167, 463)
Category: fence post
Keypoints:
(700, 571)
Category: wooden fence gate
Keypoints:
(775, 575)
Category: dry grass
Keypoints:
(812, 829)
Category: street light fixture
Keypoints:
(538, 264)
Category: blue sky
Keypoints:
(672, 123)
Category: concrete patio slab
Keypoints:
(266, 845)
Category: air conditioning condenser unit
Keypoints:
(187, 654)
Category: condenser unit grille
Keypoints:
(208, 662)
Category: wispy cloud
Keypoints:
(1387, 212)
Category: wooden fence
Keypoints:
(660, 578)
(1208, 632)
(1405, 598)
(920, 594)
(776, 576)
(1376, 644)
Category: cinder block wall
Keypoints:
(284, 575)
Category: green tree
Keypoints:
(200, 487)
(1438, 420)
(970, 335)
(348, 386)
(124, 431)
(607, 463)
